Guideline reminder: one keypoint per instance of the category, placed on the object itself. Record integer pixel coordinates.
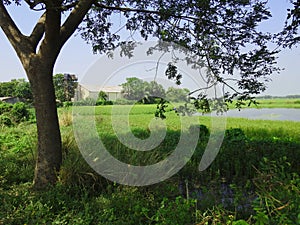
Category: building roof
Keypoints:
(98, 88)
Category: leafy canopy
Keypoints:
(16, 88)
(142, 91)
(65, 85)
(221, 35)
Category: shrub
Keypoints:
(20, 112)
(104, 102)
(5, 120)
(5, 107)
(14, 113)
(67, 104)
(204, 131)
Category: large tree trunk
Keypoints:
(38, 53)
(49, 154)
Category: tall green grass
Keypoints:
(257, 160)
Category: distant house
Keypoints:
(11, 100)
(91, 91)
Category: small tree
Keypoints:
(177, 94)
(155, 90)
(134, 89)
(102, 96)
(64, 85)
(142, 91)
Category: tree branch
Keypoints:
(38, 31)
(10, 29)
(16, 38)
(126, 9)
(50, 45)
(33, 3)
(74, 19)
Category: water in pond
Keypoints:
(266, 114)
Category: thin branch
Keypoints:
(33, 4)
(119, 29)
(157, 65)
(205, 88)
(126, 9)
(232, 88)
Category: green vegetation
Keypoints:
(142, 91)
(254, 179)
(269, 103)
(65, 85)
(279, 103)
(13, 114)
(16, 88)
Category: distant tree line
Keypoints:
(270, 96)
(149, 92)
(16, 88)
(64, 84)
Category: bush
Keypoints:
(5, 107)
(104, 102)
(14, 113)
(204, 131)
(20, 112)
(5, 120)
(67, 104)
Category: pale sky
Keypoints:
(76, 56)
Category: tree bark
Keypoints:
(49, 155)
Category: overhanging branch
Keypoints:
(126, 9)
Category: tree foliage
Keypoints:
(102, 96)
(177, 94)
(213, 33)
(133, 89)
(16, 88)
(290, 36)
(65, 85)
(221, 35)
(12, 114)
(142, 91)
